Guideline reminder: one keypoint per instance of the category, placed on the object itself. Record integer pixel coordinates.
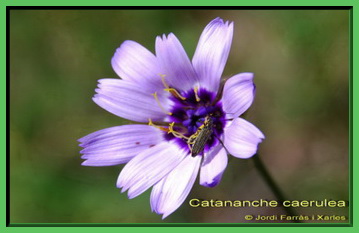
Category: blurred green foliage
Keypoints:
(300, 61)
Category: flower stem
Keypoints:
(272, 185)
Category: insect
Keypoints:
(198, 140)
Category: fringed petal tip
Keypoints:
(176, 66)
(133, 62)
(212, 52)
(117, 145)
(218, 22)
(129, 100)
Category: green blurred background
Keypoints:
(300, 61)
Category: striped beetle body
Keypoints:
(199, 139)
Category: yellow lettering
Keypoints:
(194, 202)
(286, 203)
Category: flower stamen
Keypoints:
(163, 80)
(175, 133)
(150, 123)
(160, 105)
(175, 93)
(171, 90)
(196, 94)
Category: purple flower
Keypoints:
(181, 105)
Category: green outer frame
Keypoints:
(158, 227)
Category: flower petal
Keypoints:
(213, 166)
(175, 63)
(133, 62)
(212, 52)
(117, 145)
(148, 167)
(128, 100)
(168, 194)
(241, 138)
(238, 94)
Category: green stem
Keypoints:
(272, 185)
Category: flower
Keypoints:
(192, 119)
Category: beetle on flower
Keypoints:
(188, 119)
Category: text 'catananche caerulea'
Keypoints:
(188, 120)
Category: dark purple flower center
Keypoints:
(190, 114)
